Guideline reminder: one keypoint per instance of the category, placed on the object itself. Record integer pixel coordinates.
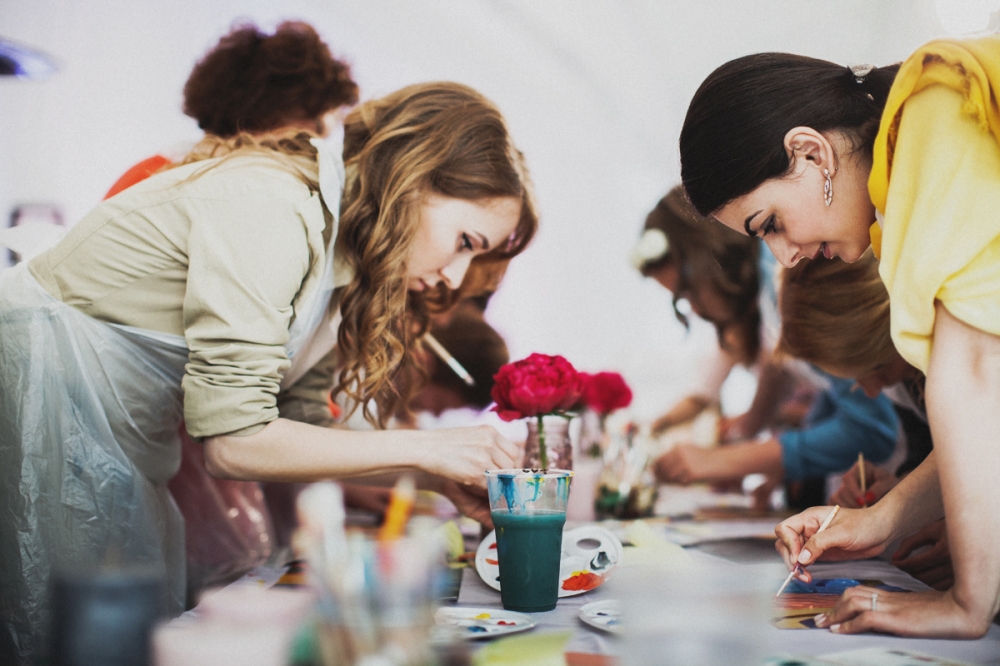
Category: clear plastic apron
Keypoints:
(89, 416)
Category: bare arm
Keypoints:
(684, 411)
(963, 391)
(289, 451)
(773, 386)
(963, 399)
(691, 464)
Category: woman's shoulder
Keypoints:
(257, 176)
(935, 102)
(248, 194)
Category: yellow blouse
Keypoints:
(936, 179)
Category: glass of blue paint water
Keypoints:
(529, 511)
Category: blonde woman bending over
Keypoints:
(226, 291)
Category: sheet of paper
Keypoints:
(689, 500)
(649, 547)
(689, 533)
(883, 656)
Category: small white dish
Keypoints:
(604, 615)
(476, 623)
(589, 554)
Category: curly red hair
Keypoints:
(254, 82)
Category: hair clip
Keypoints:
(652, 245)
(860, 72)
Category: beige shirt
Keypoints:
(223, 253)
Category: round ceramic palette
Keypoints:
(589, 554)
(476, 623)
(604, 615)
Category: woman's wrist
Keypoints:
(412, 449)
(888, 515)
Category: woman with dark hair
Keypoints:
(252, 82)
(728, 280)
(816, 158)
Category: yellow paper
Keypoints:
(542, 649)
(650, 548)
(452, 536)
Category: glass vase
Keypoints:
(557, 444)
(587, 466)
(593, 435)
(626, 488)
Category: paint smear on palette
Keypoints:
(837, 585)
(582, 580)
(484, 623)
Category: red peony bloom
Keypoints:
(537, 385)
(605, 392)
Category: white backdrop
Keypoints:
(595, 92)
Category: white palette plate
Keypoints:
(589, 554)
(604, 615)
(475, 623)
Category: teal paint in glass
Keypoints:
(529, 549)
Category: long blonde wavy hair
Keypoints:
(835, 315)
(443, 138)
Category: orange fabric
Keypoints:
(138, 173)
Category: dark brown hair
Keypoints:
(707, 254)
(734, 132)
(254, 82)
(477, 346)
(835, 315)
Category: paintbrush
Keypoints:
(861, 474)
(401, 501)
(445, 356)
(798, 567)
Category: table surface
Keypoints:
(738, 542)
(749, 554)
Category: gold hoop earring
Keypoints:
(827, 188)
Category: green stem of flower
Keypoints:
(543, 454)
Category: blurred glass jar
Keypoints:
(379, 608)
(626, 487)
(558, 444)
